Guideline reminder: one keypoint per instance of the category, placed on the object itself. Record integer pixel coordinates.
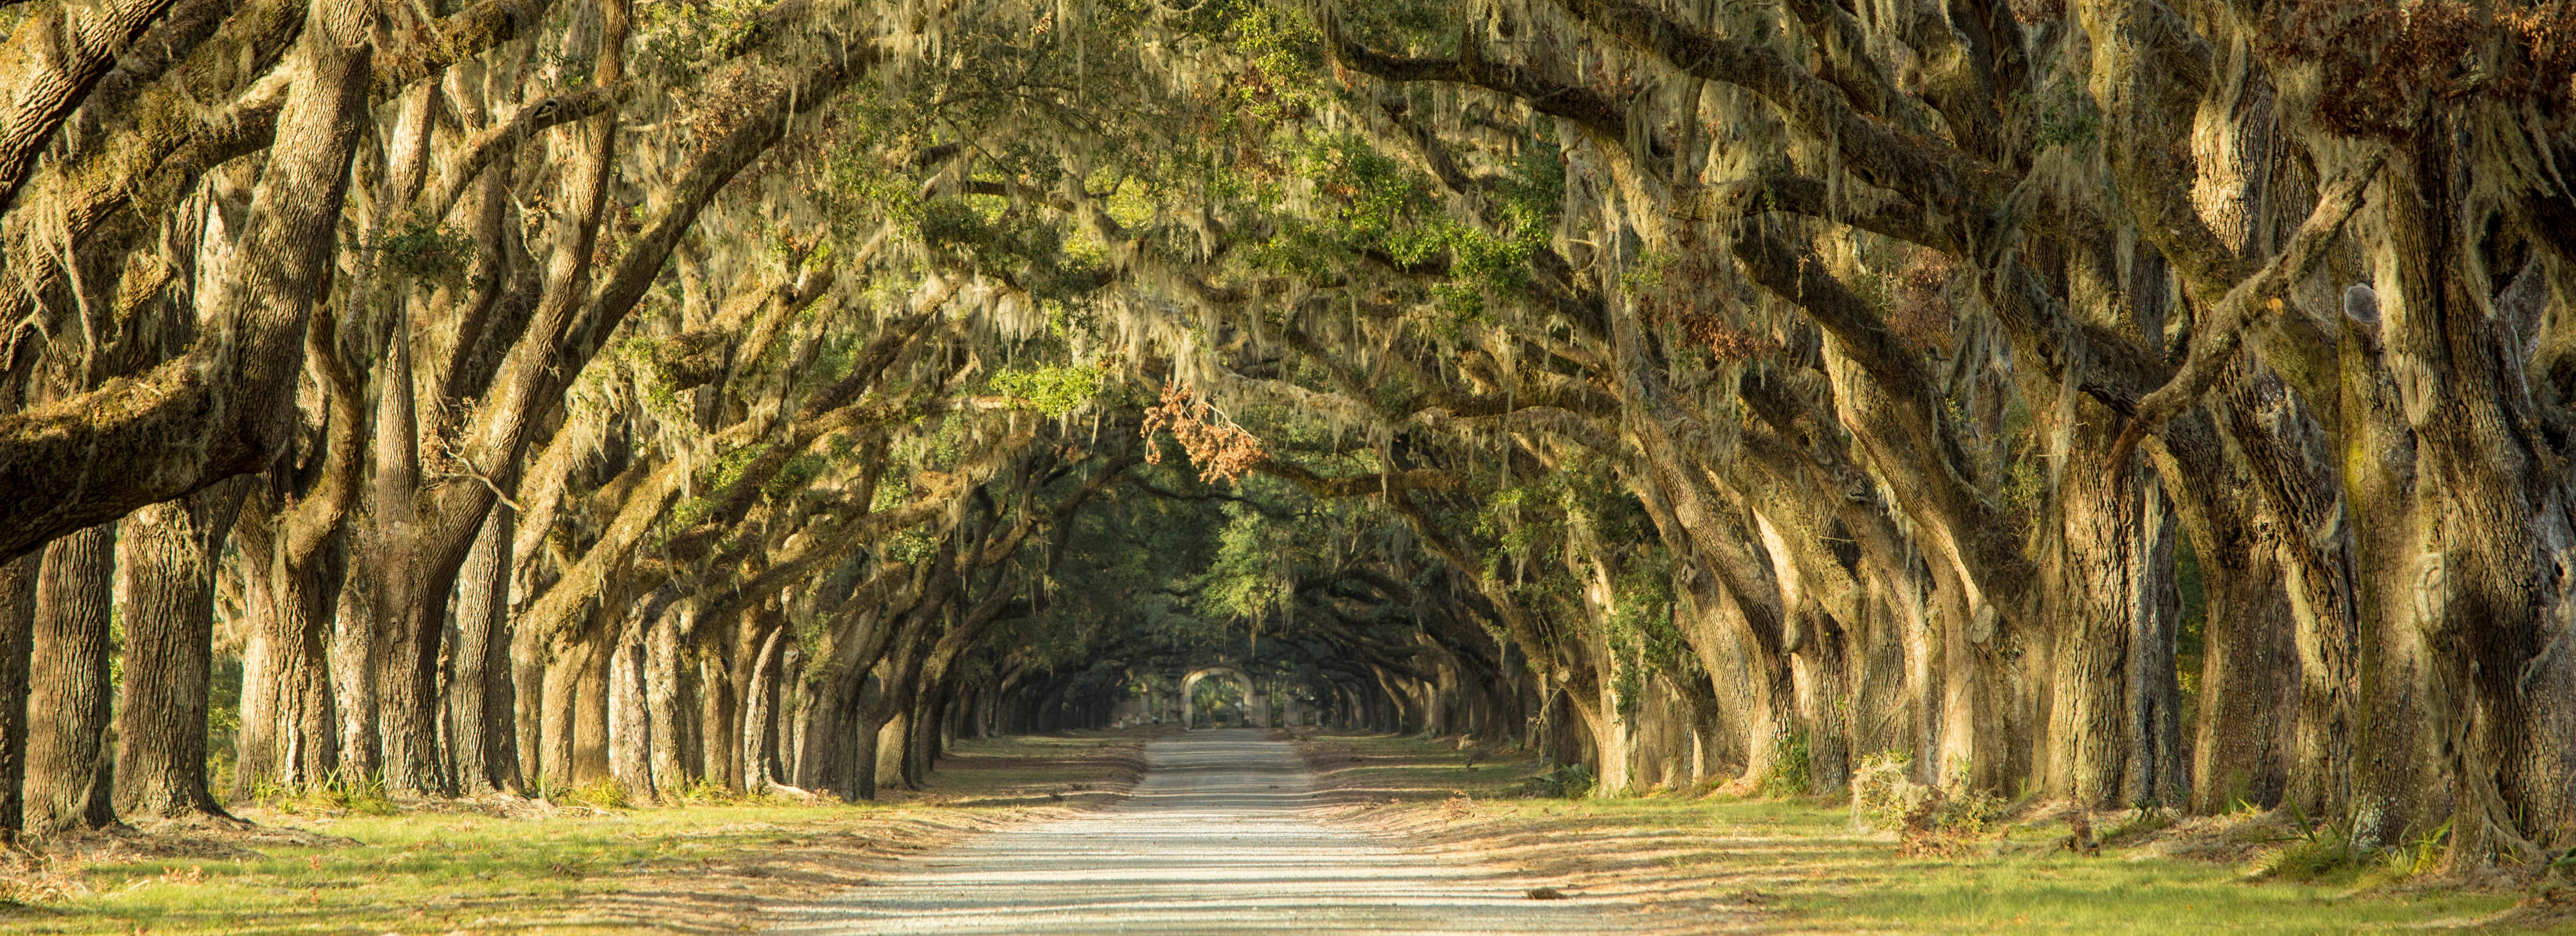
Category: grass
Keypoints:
(593, 868)
(1694, 863)
(1700, 863)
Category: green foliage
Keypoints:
(1639, 630)
(223, 714)
(116, 644)
(427, 252)
(989, 233)
(795, 474)
(2025, 491)
(713, 479)
(2334, 851)
(1928, 821)
(339, 792)
(2191, 635)
(1054, 390)
(1567, 781)
(1247, 582)
(1285, 55)
(1218, 698)
(1883, 791)
(909, 546)
(1790, 773)
(1372, 206)
(938, 445)
(686, 37)
(2071, 127)
(604, 793)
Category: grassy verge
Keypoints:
(528, 867)
(1709, 864)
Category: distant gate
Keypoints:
(1256, 707)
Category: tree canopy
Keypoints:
(2132, 402)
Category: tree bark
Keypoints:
(481, 725)
(531, 675)
(760, 713)
(68, 761)
(55, 55)
(719, 730)
(631, 740)
(357, 663)
(2242, 735)
(167, 555)
(407, 605)
(662, 701)
(2155, 772)
(573, 746)
(289, 736)
(589, 716)
(17, 632)
(2093, 590)
(2495, 525)
(227, 407)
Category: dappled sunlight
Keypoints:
(1707, 864)
(706, 868)
(1657, 466)
(1223, 834)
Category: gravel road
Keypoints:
(1221, 836)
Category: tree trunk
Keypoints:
(482, 727)
(407, 599)
(2495, 526)
(533, 689)
(760, 714)
(17, 625)
(227, 407)
(2094, 594)
(719, 732)
(2247, 547)
(289, 736)
(928, 718)
(1766, 694)
(2303, 623)
(862, 745)
(631, 740)
(576, 714)
(2396, 781)
(894, 737)
(2241, 740)
(589, 716)
(2155, 770)
(663, 710)
(167, 555)
(821, 764)
(1825, 702)
(68, 764)
(357, 672)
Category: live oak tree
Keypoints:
(2135, 402)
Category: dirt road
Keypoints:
(1221, 836)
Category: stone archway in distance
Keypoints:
(1256, 707)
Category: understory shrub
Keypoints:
(1570, 781)
(335, 793)
(605, 793)
(1790, 773)
(2144, 818)
(2331, 849)
(1928, 820)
